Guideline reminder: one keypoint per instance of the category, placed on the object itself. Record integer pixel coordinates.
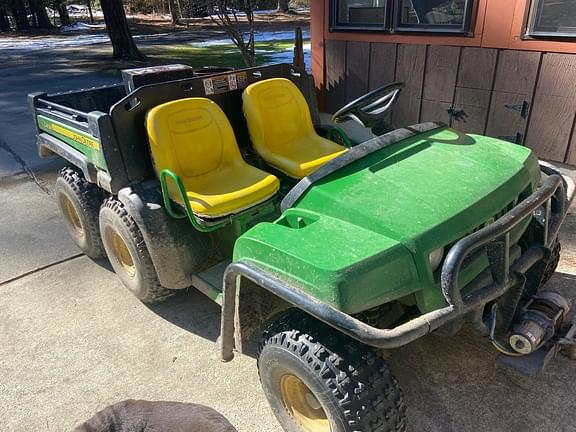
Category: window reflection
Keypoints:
(554, 17)
(361, 12)
(432, 12)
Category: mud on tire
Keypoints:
(128, 254)
(79, 202)
(350, 382)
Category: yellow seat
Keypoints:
(193, 139)
(281, 128)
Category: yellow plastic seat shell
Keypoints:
(281, 128)
(193, 138)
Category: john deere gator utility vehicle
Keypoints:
(326, 250)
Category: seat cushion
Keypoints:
(281, 128)
(193, 139)
(231, 190)
(303, 156)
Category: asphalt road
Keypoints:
(72, 340)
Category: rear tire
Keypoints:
(317, 380)
(128, 254)
(79, 201)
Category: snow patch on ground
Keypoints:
(81, 26)
(259, 36)
(31, 45)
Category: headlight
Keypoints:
(435, 258)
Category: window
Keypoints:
(552, 18)
(445, 16)
(360, 13)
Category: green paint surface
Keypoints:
(361, 237)
(86, 144)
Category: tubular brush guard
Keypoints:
(555, 194)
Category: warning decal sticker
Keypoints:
(225, 83)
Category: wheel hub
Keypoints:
(303, 405)
(72, 215)
(121, 252)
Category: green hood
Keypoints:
(361, 236)
(413, 187)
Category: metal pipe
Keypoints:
(479, 293)
(458, 253)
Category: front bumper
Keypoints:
(554, 195)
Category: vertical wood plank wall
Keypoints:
(521, 96)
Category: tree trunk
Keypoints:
(283, 5)
(63, 13)
(173, 11)
(89, 3)
(20, 15)
(4, 23)
(117, 25)
(39, 10)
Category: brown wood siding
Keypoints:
(382, 64)
(516, 75)
(473, 89)
(357, 66)
(439, 83)
(571, 156)
(335, 65)
(474, 105)
(552, 117)
(521, 96)
(410, 62)
(477, 66)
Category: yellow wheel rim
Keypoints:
(303, 405)
(72, 215)
(121, 252)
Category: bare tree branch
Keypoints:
(225, 13)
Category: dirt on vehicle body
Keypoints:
(325, 249)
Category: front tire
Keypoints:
(128, 255)
(318, 380)
(79, 202)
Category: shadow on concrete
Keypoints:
(193, 312)
(189, 309)
(455, 384)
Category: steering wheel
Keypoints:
(368, 110)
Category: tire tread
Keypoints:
(90, 198)
(357, 375)
(156, 292)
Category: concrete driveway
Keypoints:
(72, 340)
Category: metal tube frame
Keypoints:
(496, 239)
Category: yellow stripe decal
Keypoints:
(82, 139)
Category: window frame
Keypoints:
(533, 12)
(392, 17)
(464, 29)
(338, 26)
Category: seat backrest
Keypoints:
(277, 114)
(191, 137)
